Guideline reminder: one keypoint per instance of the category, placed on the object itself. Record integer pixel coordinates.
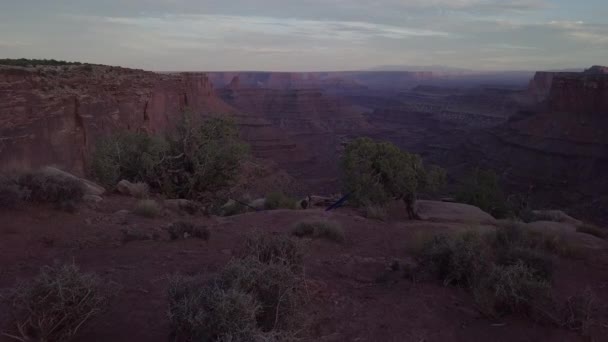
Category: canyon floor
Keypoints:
(350, 294)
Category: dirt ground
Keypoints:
(351, 295)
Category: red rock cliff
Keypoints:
(53, 115)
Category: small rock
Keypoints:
(258, 204)
(139, 190)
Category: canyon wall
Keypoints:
(54, 115)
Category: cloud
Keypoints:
(591, 34)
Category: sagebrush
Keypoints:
(56, 304)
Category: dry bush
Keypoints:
(208, 312)
(581, 312)
(248, 301)
(511, 289)
(184, 230)
(56, 304)
(506, 271)
(376, 212)
(147, 208)
(536, 260)
(319, 229)
(278, 200)
(513, 234)
(51, 188)
(10, 192)
(273, 248)
(458, 259)
(276, 287)
(593, 230)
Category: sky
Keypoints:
(309, 35)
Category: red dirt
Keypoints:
(347, 303)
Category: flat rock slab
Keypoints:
(452, 212)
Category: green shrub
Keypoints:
(56, 304)
(378, 172)
(11, 194)
(278, 200)
(273, 248)
(376, 212)
(23, 62)
(511, 289)
(137, 157)
(319, 229)
(147, 208)
(593, 230)
(183, 230)
(482, 190)
(200, 157)
(51, 188)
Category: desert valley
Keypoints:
(512, 245)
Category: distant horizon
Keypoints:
(392, 68)
(300, 35)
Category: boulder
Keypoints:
(89, 187)
(556, 216)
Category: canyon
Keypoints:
(544, 134)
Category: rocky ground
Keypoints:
(352, 295)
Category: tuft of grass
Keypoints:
(593, 230)
(140, 190)
(56, 304)
(147, 208)
(376, 212)
(184, 230)
(52, 188)
(273, 248)
(278, 200)
(319, 229)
